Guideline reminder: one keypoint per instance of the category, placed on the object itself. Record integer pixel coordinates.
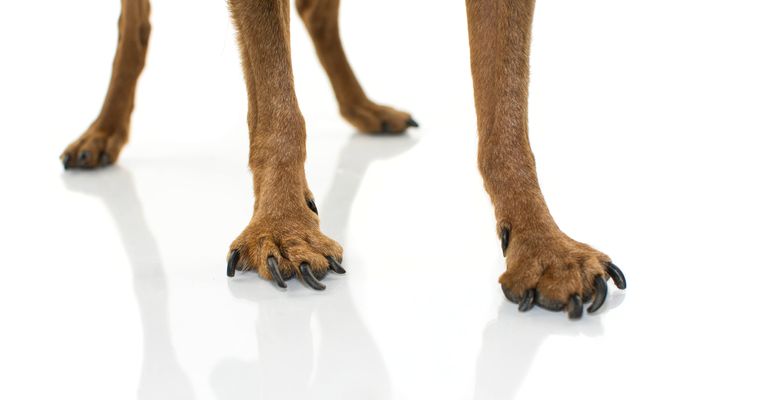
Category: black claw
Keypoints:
(104, 159)
(232, 263)
(312, 206)
(575, 307)
(384, 127)
(504, 241)
(83, 157)
(527, 302)
(65, 161)
(275, 272)
(412, 122)
(309, 278)
(616, 275)
(335, 266)
(601, 290)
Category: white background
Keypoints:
(649, 123)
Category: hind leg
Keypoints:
(101, 143)
(321, 17)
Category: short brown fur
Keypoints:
(284, 226)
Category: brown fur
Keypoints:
(540, 255)
(283, 226)
(101, 143)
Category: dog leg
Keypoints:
(283, 238)
(544, 265)
(101, 143)
(321, 17)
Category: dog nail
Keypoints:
(575, 307)
(275, 272)
(412, 122)
(527, 302)
(312, 206)
(601, 291)
(83, 157)
(335, 266)
(616, 275)
(232, 263)
(309, 278)
(504, 241)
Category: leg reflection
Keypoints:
(355, 158)
(162, 376)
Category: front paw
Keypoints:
(556, 272)
(280, 248)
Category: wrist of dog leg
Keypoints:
(524, 215)
(282, 191)
(527, 226)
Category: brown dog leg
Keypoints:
(100, 145)
(321, 17)
(283, 238)
(544, 265)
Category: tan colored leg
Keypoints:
(102, 142)
(283, 238)
(544, 265)
(321, 17)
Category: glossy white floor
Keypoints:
(648, 122)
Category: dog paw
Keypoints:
(279, 248)
(373, 118)
(556, 273)
(93, 149)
